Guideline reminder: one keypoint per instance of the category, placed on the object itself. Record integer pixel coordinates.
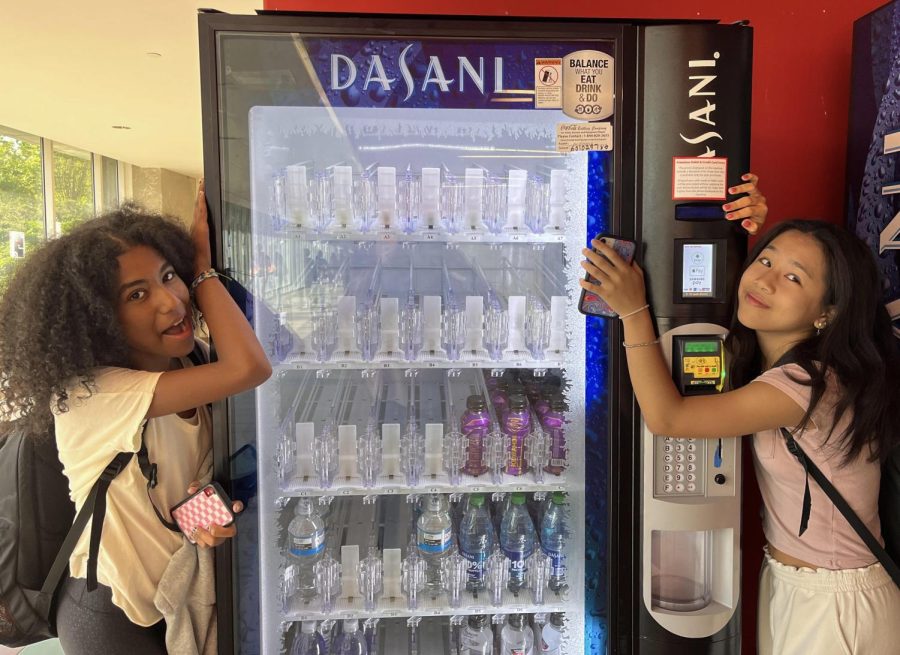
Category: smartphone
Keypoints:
(590, 303)
(207, 506)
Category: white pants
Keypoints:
(823, 612)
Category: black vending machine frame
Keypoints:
(625, 615)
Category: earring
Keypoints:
(820, 324)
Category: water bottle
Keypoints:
(551, 635)
(517, 541)
(351, 640)
(516, 638)
(476, 541)
(309, 642)
(554, 423)
(306, 544)
(475, 425)
(516, 424)
(434, 537)
(476, 638)
(554, 534)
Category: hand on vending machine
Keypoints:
(621, 284)
(750, 209)
(214, 535)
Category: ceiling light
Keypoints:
(154, 54)
(121, 127)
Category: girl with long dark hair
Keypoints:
(811, 350)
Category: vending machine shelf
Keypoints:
(352, 608)
(439, 485)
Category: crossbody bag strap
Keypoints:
(843, 507)
(149, 471)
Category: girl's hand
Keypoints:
(200, 233)
(217, 534)
(751, 208)
(621, 285)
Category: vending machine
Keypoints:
(448, 457)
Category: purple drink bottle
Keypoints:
(549, 388)
(516, 424)
(500, 398)
(475, 425)
(554, 424)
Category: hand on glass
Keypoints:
(621, 284)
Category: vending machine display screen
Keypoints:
(697, 270)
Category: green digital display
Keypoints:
(701, 347)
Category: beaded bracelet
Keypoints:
(640, 345)
(636, 311)
(205, 275)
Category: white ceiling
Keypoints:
(69, 71)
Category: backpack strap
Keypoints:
(95, 505)
(843, 507)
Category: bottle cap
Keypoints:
(557, 618)
(552, 381)
(478, 621)
(304, 506)
(558, 498)
(308, 627)
(517, 498)
(517, 620)
(517, 402)
(476, 403)
(435, 503)
(351, 625)
(476, 500)
(558, 404)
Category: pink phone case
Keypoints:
(208, 506)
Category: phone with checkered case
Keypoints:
(207, 506)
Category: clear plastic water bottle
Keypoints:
(475, 425)
(516, 638)
(306, 544)
(554, 423)
(517, 539)
(476, 541)
(554, 535)
(551, 635)
(517, 425)
(434, 537)
(309, 642)
(476, 638)
(351, 641)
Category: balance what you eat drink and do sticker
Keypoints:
(585, 86)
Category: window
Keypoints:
(21, 198)
(108, 189)
(73, 187)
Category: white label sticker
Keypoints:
(699, 178)
(548, 83)
(17, 244)
(588, 79)
(573, 137)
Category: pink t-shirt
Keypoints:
(829, 541)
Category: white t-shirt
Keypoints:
(135, 547)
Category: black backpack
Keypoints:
(888, 506)
(37, 532)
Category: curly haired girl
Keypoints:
(95, 331)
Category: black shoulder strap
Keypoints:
(95, 505)
(864, 533)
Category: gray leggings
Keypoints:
(88, 623)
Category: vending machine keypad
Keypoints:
(680, 467)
